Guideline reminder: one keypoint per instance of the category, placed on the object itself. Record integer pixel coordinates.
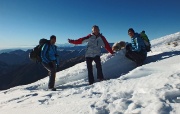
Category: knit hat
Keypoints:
(52, 37)
(143, 31)
(95, 26)
(131, 30)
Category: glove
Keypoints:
(50, 64)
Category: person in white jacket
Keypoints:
(94, 41)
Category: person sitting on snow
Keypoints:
(136, 50)
(95, 41)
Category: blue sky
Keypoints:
(24, 22)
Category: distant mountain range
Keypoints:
(26, 48)
(66, 46)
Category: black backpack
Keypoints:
(35, 54)
(148, 47)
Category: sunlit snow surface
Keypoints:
(153, 88)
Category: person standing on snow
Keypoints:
(94, 41)
(50, 60)
(136, 50)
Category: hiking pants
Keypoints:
(136, 57)
(52, 73)
(89, 61)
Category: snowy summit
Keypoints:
(153, 88)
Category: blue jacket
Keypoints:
(49, 53)
(138, 44)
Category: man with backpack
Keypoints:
(136, 50)
(50, 60)
(94, 42)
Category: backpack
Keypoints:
(35, 54)
(146, 41)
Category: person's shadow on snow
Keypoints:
(161, 56)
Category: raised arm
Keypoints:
(80, 40)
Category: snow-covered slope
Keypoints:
(153, 88)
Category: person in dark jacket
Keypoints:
(50, 60)
(94, 41)
(136, 50)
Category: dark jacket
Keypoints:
(138, 44)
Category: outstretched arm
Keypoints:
(80, 40)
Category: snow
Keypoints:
(153, 88)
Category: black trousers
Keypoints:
(52, 74)
(89, 61)
(136, 57)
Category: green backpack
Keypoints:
(146, 41)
